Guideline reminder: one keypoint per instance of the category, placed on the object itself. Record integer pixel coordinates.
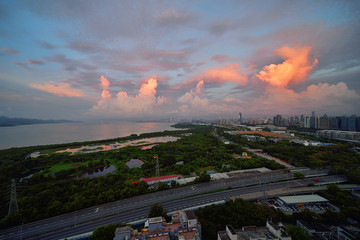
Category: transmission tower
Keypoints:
(13, 207)
(157, 173)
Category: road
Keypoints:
(135, 208)
(259, 152)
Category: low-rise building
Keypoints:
(315, 230)
(271, 231)
(154, 180)
(184, 226)
(302, 200)
(348, 233)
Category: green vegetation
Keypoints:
(237, 213)
(297, 233)
(349, 206)
(55, 187)
(105, 232)
(339, 158)
(299, 175)
(157, 210)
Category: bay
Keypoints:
(43, 134)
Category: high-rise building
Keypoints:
(278, 120)
(307, 122)
(324, 122)
(344, 123)
(313, 114)
(352, 123)
(358, 124)
(312, 122)
(240, 118)
(335, 123)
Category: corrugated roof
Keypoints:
(159, 178)
(303, 199)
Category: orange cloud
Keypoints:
(148, 89)
(295, 68)
(230, 72)
(61, 90)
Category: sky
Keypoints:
(127, 60)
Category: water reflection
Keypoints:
(99, 172)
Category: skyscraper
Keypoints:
(335, 123)
(352, 123)
(277, 120)
(325, 122)
(240, 118)
(344, 123)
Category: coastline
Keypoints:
(62, 133)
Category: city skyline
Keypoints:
(82, 60)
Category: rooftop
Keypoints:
(188, 234)
(317, 227)
(155, 220)
(223, 235)
(303, 199)
(190, 214)
(125, 229)
(159, 178)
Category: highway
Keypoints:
(135, 208)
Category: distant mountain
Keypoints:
(7, 122)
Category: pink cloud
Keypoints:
(199, 87)
(144, 103)
(61, 90)
(315, 97)
(105, 85)
(295, 68)
(230, 72)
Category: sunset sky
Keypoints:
(79, 60)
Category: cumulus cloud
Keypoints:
(61, 90)
(295, 68)
(105, 85)
(144, 103)
(315, 97)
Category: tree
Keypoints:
(299, 175)
(204, 177)
(157, 210)
(106, 232)
(297, 233)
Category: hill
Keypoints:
(7, 122)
